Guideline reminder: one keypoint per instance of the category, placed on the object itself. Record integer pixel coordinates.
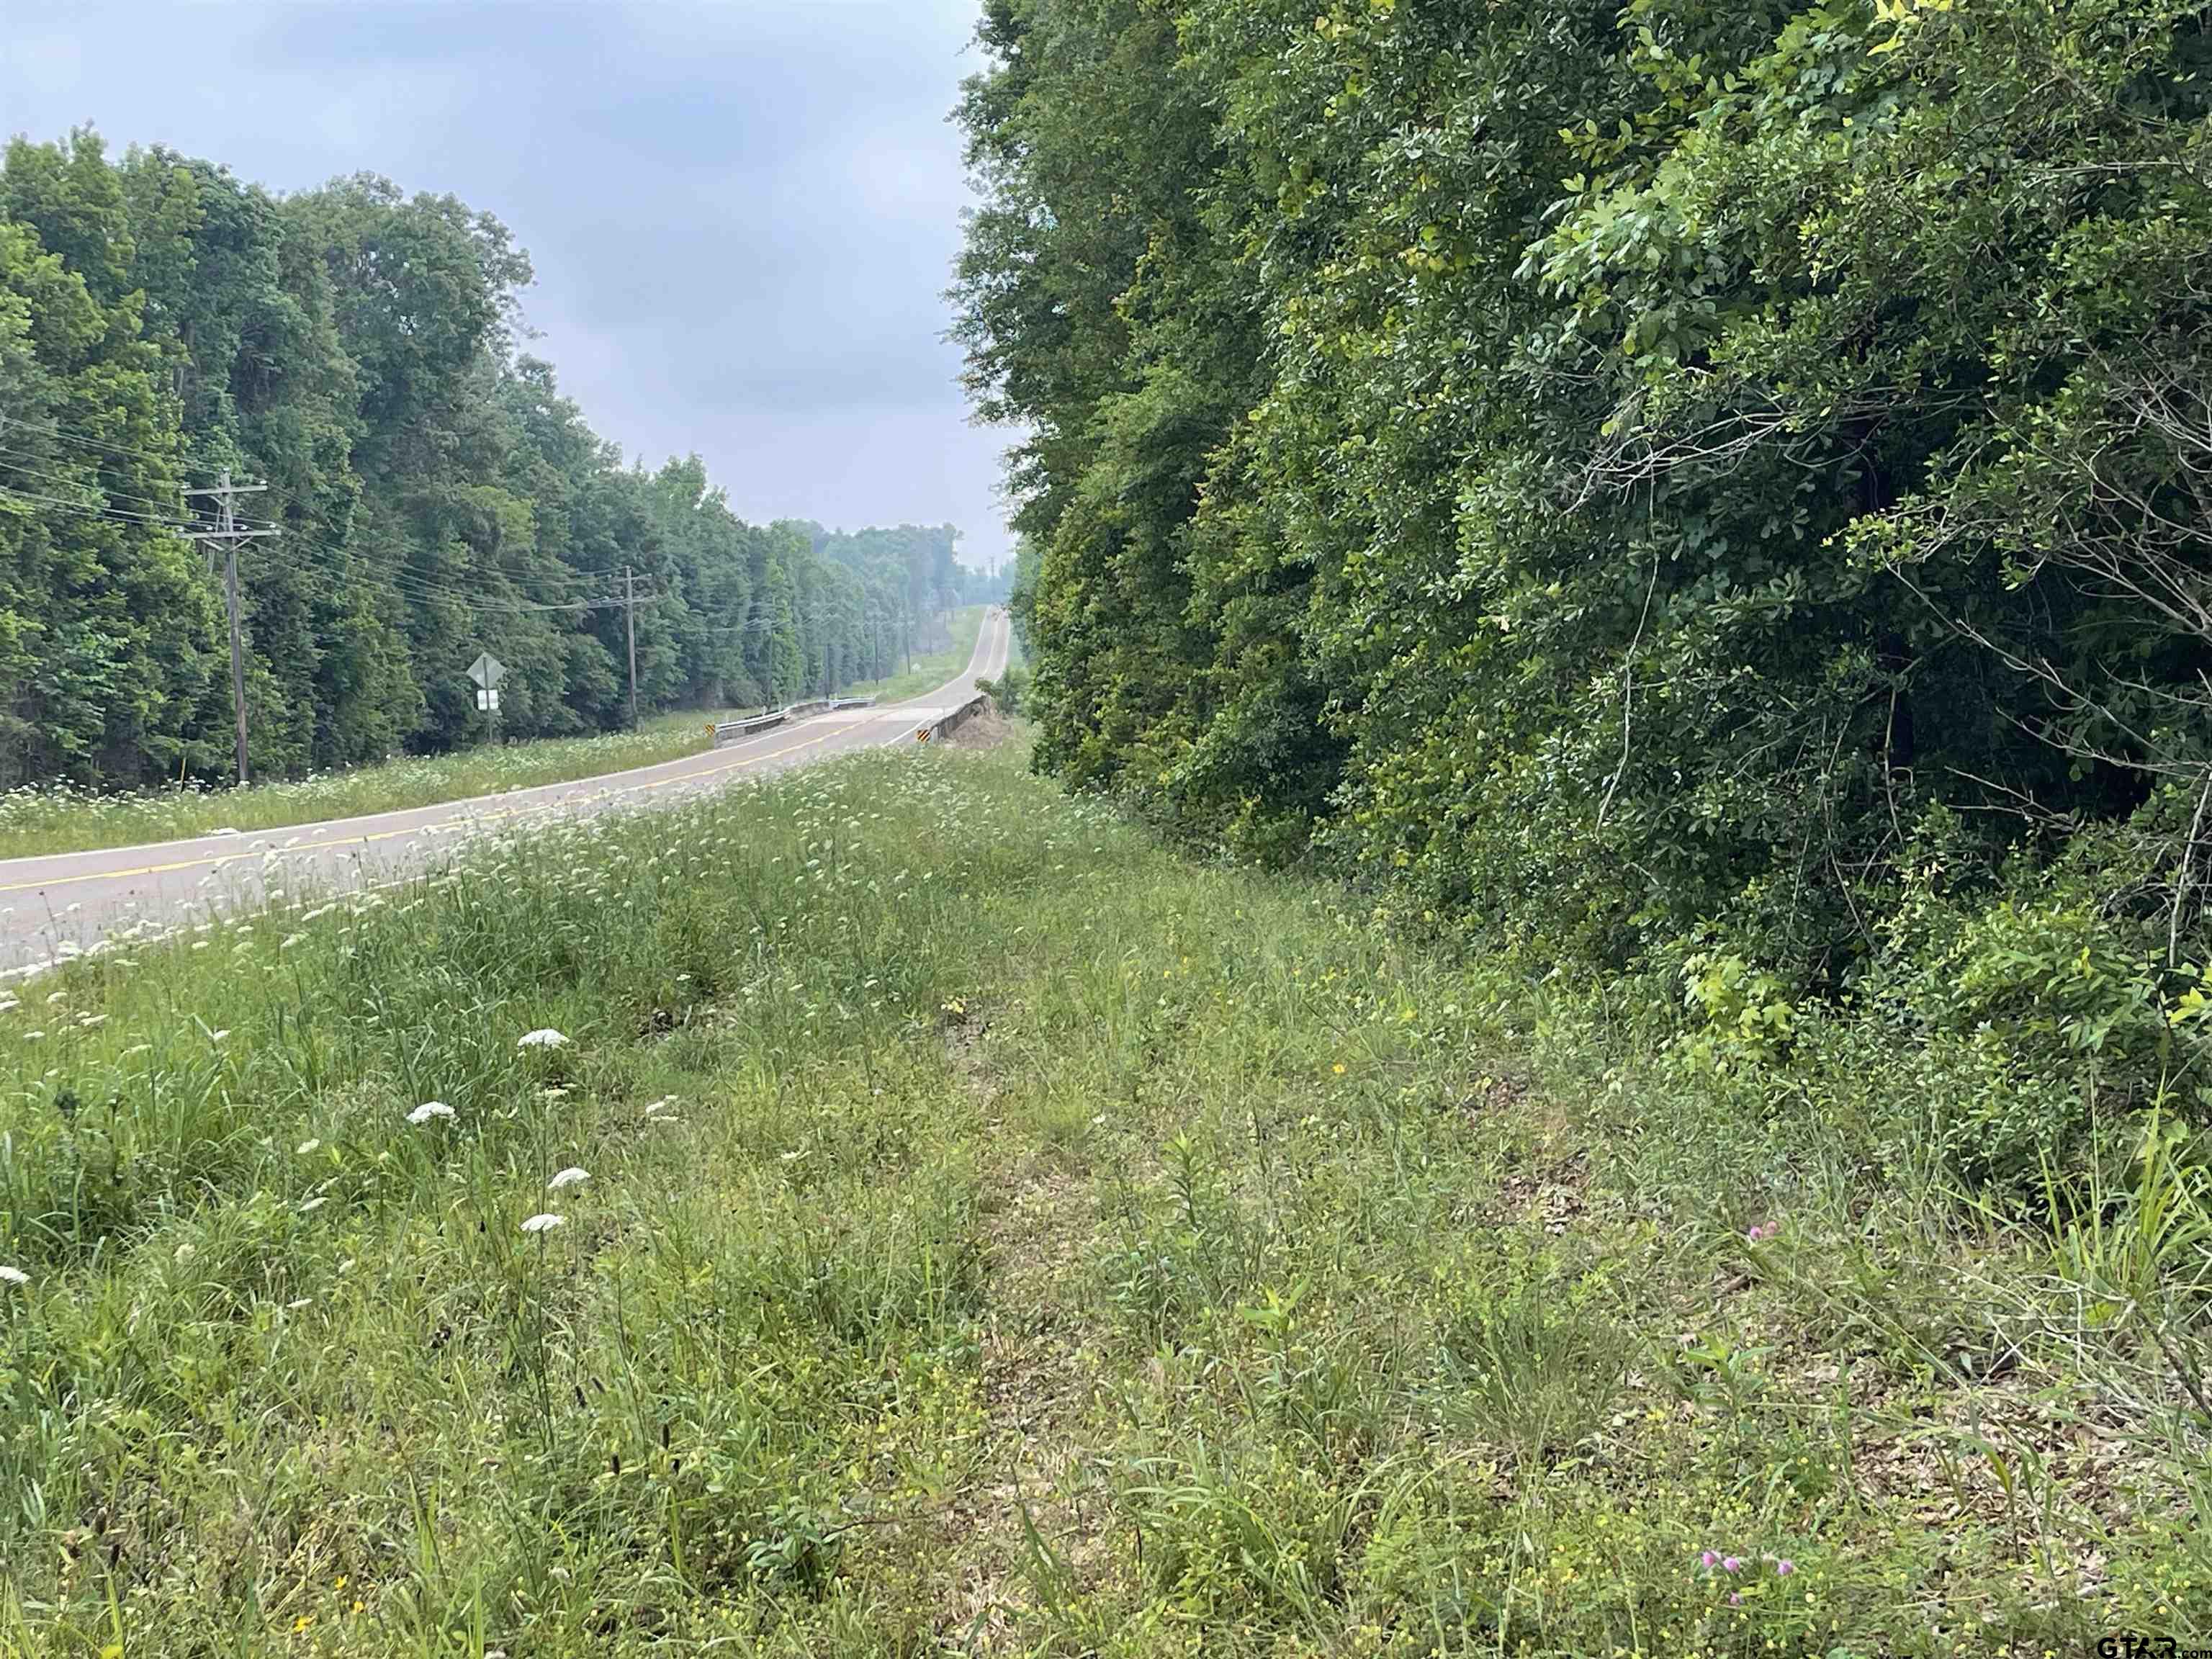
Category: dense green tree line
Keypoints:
(356, 349)
(1526, 446)
(1723, 490)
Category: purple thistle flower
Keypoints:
(1784, 1567)
(1709, 1560)
(1735, 1598)
(1731, 1564)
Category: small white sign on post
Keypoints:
(487, 670)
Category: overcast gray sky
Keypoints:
(742, 216)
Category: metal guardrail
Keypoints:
(731, 731)
(945, 725)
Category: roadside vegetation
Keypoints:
(1705, 505)
(438, 494)
(931, 670)
(58, 818)
(900, 1209)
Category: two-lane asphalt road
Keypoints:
(58, 904)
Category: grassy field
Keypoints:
(46, 818)
(947, 1223)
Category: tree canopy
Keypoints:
(356, 348)
(1614, 471)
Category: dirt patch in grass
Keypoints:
(1035, 1516)
(1036, 1386)
(986, 729)
(1495, 1095)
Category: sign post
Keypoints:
(487, 670)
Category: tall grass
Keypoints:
(38, 819)
(995, 1234)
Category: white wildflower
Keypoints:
(541, 1224)
(569, 1177)
(544, 1037)
(428, 1109)
(14, 1276)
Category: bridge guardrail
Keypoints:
(945, 725)
(731, 731)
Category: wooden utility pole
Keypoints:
(228, 533)
(629, 610)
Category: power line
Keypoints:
(405, 583)
(427, 589)
(113, 494)
(420, 585)
(121, 515)
(229, 532)
(424, 589)
(410, 584)
(76, 436)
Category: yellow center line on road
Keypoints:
(413, 829)
(417, 829)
